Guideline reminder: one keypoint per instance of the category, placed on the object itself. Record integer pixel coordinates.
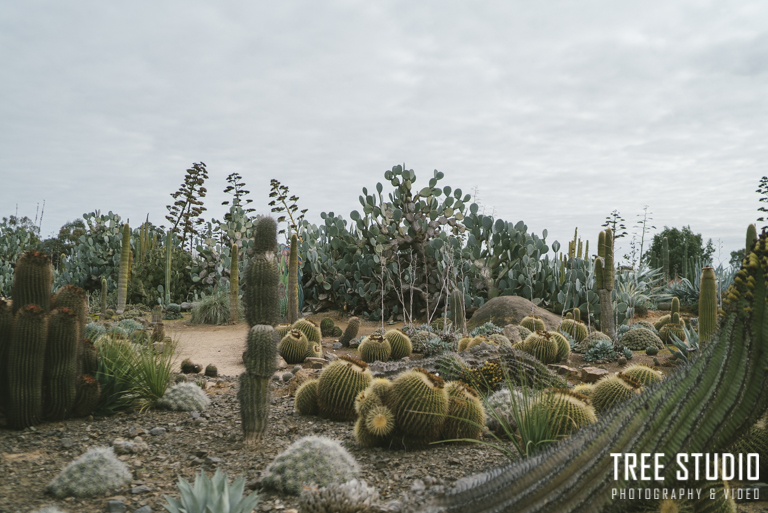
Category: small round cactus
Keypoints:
(400, 344)
(375, 348)
(466, 415)
(615, 389)
(541, 345)
(306, 398)
(338, 386)
(420, 402)
(644, 374)
(651, 350)
(353, 325)
(566, 411)
(563, 346)
(380, 421)
(293, 347)
(351, 497)
(326, 327)
(464, 343)
(283, 329)
(590, 341)
(96, 472)
(184, 397)
(336, 332)
(500, 340)
(314, 351)
(640, 338)
(310, 460)
(584, 389)
(309, 328)
(211, 371)
(532, 324)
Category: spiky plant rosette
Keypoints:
(96, 472)
(212, 495)
(312, 460)
(184, 397)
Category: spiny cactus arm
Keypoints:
(122, 280)
(702, 408)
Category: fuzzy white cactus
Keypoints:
(184, 397)
(354, 496)
(312, 460)
(94, 473)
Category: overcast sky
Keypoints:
(557, 112)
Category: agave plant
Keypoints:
(212, 496)
(683, 348)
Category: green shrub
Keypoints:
(213, 309)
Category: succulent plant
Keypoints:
(374, 348)
(326, 326)
(262, 276)
(26, 363)
(458, 309)
(305, 401)
(188, 367)
(94, 473)
(311, 460)
(603, 350)
(32, 280)
(354, 496)
(651, 350)
(644, 374)
(283, 330)
(400, 344)
(234, 283)
(669, 329)
(542, 345)
(309, 328)
(184, 397)
(499, 406)
(293, 281)
(464, 343)
(645, 324)
(420, 402)
(485, 378)
(639, 339)
(212, 495)
(336, 332)
(353, 325)
(613, 390)
(566, 411)
(338, 385)
(466, 415)
(253, 395)
(604, 281)
(754, 441)
(574, 327)
(563, 346)
(590, 341)
(533, 323)
(584, 389)
(61, 363)
(524, 332)
(500, 340)
(314, 351)
(293, 347)
(88, 395)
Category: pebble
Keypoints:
(157, 431)
(115, 507)
(143, 509)
(141, 489)
(67, 442)
(337, 345)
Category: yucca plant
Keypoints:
(213, 495)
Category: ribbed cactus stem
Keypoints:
(457, 309)
(32, 281)
(168, 257)
(293, 281)
(122, 277)
(751, 237)
(702, 408)
(707, 305)
(260, 364)
(61, 355)
(262, 277)
(665, 257)
(6, 328)
(103, 298)
(604, 274)
(234, 285)
(26, 360)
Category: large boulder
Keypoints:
(503, 310)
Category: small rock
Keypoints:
(67, 442)
(280, 363)
(565, 370)
(195, 415)
(141, 489)
(157, 431)
(115, 507)
(418, 486)
(213, 460)
(337, 345)
(592, 374)
(143, 509)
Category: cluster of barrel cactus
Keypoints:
(393, 345)
(332, 395)
(311, 460)
(574, 327)
(42, 347)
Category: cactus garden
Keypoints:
(416, 356)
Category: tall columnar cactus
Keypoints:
(168, 261)
(704, 407)
(293, 281)
(260, 364)
(6, 328)
(61, 363)
(262, 276)
(707, 305)
(103, 299)
(32, 281)
(234, 285)
(751, 237)
(604, 278)
(665, 258)
(122, 277)
(75, 299)
(26, 361)
(457, 309)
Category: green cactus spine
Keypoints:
(310, 329)
(707, 305)
(305, 401)
(613, 390)
(234, 285)
(32, 281)
(293, 347)
(466, 414)
(665, 258)
(375, 348)
(380, 421)
(168, 261)
(293, 281)
(338, 386)
(61, 362)
(122, 277)
(400, 344)
(262, 276)
(26, 362)
(260, 359)
(103, 299)
(542, 345)
(420, 403)
(353, 325)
